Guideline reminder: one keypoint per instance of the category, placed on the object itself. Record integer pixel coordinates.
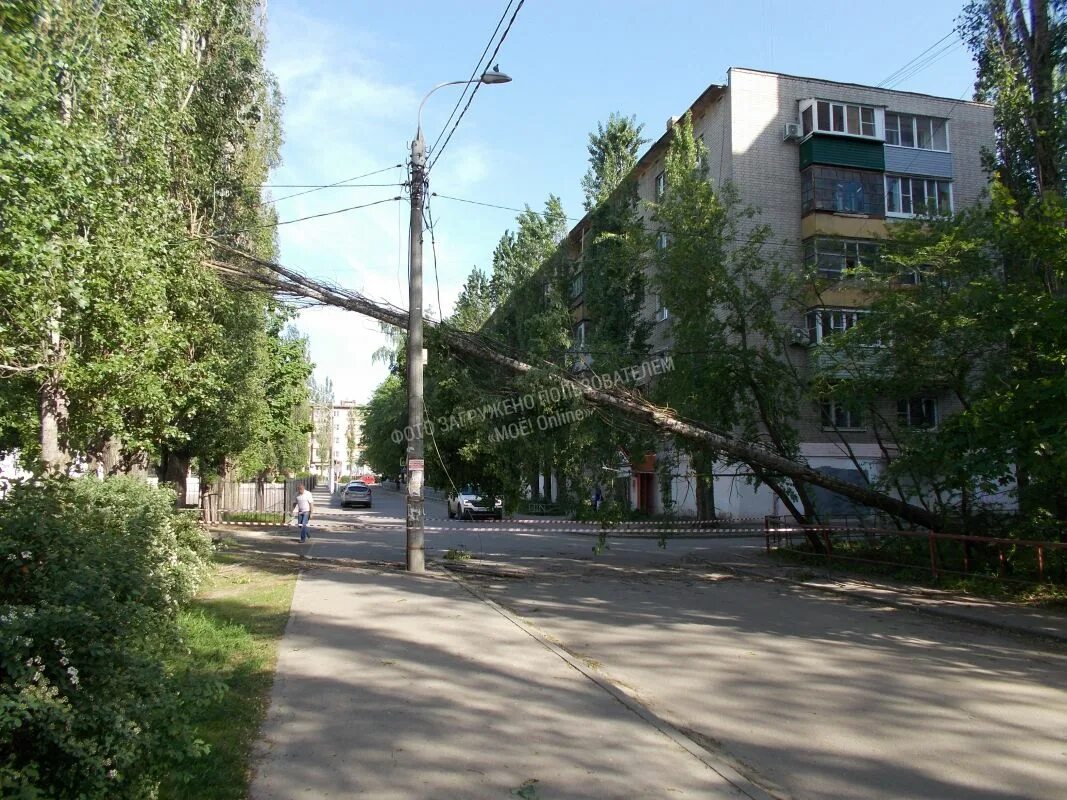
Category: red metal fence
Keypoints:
(947, 553)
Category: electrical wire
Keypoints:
(278, 223)
(885, 243)
(885, 81)
(927, 62)
(324, 186)
(329, 185)
(492, 58)
(433, 250)
(472, 82)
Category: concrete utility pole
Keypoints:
(416, 558)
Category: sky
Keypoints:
(352, 75)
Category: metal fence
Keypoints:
(1024, 560)
(258, 500)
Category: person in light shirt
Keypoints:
(302, 509)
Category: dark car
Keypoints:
(357, 493)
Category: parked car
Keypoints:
(470, 503)
(357, 493)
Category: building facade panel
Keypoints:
(910, 161)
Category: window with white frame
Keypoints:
(830, 258)
(580, 331)
(906, 197)
(661, 185)
(661, 241)
(912, 130)
(826, 322)
(920, 411)
(662, 314)
(841, 415)
(828, 116)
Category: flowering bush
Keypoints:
(92, 575)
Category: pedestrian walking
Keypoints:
(302, 509)
(598, 498)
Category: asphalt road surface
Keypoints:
(810, 695)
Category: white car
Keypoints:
(357, 493)
(468, 503)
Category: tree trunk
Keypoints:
(274, 276)
(53, 415)
(261, 492)
(209, 500)
(110, 455)
(705, 497)
(176, 473)
(52, 403)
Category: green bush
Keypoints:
(92, 576)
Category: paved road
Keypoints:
(419, 691)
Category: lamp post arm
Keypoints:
(434, 89)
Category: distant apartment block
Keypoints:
(331, 427)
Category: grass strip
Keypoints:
(232, 631)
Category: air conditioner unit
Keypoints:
(800, 336)
(793, 132)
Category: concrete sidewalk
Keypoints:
(391, 685)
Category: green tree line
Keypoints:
(129, 133)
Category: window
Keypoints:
(661, 241)
(577, 285)
(580, 331)
(843, 118)
(825, 322)
(841, 415)
(910, 130)
(662, 314)
(661, 185)
(830, 258)
(911, 196)
(842, 190)
(918, 412)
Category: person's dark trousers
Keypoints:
(302, 520)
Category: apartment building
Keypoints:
(331, 427)
(831, 166)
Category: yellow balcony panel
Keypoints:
(839, 297)
(850, 227)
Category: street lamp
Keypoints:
(416, 560)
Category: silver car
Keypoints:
(470, 503)
(357, 493)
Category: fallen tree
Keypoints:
(252, 272)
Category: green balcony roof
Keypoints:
(842, 151)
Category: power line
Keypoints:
(476, 86)
(330, 185)
(291, 221)
(884, 243)
(927, 62)
(885, 81)
(502, 208)
(478, 70)
(433, 249)
(323, 186)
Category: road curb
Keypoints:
(715, 762)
